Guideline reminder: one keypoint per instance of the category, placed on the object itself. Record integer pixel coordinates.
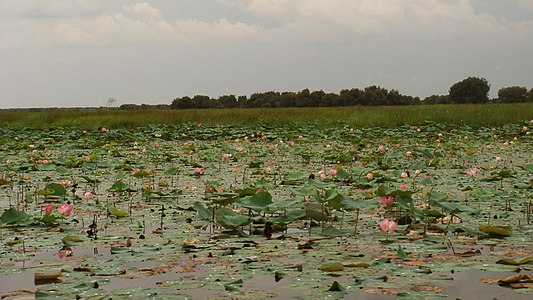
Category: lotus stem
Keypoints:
(356, 221)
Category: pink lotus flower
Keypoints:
(370, 176)
(381, 148)
(65, 252)
(403, 187)
(88, 195)
(239, 149)
(386, 200)
(404, 174)
(332, 172)
(64, 210)
(291, 143)
(226, 156)
(472, 172)
(198, 170)
(136, 170)
(65, 182)
(48, 209)
(388, 226)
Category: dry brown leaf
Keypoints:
(490, 280)
(359, 265)
(521, 285)
(386, 291)
(187, 269)
(518, 278)
(17, 293)
(427, 288)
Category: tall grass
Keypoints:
(383, 116)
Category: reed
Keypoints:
(377, 116)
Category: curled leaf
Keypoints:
(332, 267)
(496, 231)
(513, 262)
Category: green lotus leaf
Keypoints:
(12, 216)
(257, 202)
(230, 219)
(116, 212)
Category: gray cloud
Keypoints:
(79, 53)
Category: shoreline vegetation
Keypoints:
(478, 115)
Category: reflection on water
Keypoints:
(468, 285)
(464, 285)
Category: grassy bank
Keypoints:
(384, 116)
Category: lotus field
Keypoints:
(270, 211)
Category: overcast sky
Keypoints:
(72, 53)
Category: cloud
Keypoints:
(135, 24)
(378, 18)
(528, 4)
(49, 8)
(53, 23)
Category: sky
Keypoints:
(81, 53)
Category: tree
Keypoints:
(228, 101)
(437, 99)
(181, 103)
(529, 95)
(512, 94)
(470, 90)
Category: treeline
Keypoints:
(469, 90)
(372, 95)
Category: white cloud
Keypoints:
(136, 24)
(378, 18)
(53, 23)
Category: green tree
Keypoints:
(512, 94)
(228, 101)
(181, 103)
(437, 99)
(470, 90)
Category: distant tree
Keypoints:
(470, 90)
(227, 101)
(376, 95)
(128, 107)
(181, 103)
(201, 101)
(512, 94)
(437, 99)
